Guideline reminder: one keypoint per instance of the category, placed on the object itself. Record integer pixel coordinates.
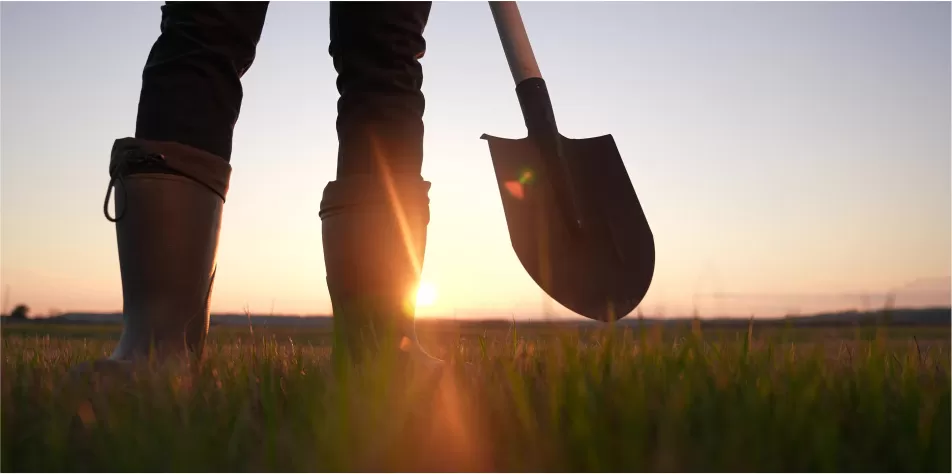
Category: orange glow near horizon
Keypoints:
(426, 294)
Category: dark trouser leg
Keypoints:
(376, 48)
(374, 216)
(191, 83)
(172, 178)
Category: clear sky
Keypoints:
(789, 156)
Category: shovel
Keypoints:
(574, 219)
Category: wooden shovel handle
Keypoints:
(515, 41)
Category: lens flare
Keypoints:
(527, 177)
(517, 188)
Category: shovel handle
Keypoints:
(515, 41)
(536, 106)
(530, 87)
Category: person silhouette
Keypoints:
(170, 180)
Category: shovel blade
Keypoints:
(601, 271)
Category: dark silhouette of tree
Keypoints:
(21, 312)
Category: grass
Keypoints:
(632, 400)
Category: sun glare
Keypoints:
(426, 294)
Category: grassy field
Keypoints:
(653, 399)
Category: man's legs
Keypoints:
(375, 214)
(172, 178)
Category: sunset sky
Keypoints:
(790, 157)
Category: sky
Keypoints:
(790, 157)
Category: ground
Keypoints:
(672, 398)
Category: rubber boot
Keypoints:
(374, 236)
(168, 201)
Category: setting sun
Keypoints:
(426, 294)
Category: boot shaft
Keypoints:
(374, 237)
(169, 200)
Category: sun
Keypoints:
(426, 294)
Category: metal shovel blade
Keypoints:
(601, 271)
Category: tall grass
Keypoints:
(606, 401)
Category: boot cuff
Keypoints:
(409, 192)
(204, 167)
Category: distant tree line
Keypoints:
(21, 312)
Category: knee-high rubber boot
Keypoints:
(169, 200)
(374, 235)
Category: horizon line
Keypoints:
(540, 317)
